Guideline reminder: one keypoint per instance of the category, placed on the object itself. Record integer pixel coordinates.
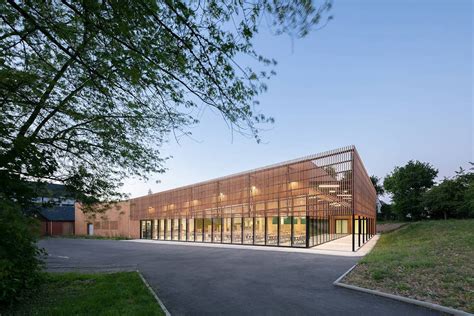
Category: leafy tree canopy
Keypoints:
(89, 90)
(407, 185)
(452, 197)
(377, 185)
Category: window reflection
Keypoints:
(162, 229)
(182, 229)
(168, 230)
(175, 230)
(299, 231)
(226, 233)
(272, 230)
(259, 231)
(155, 229)
(248, 230)
(285, 231)
(237, 230)
(199, 229)
(207, 230)
(190, 229)
(217, 230)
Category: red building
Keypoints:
(57, 220)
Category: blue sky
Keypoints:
(393, 78)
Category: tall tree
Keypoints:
(377, 185)
(89, 90)
(452, 197)
(407, 185)
(444, 199)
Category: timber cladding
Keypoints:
(294, 203)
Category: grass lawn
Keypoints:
(122, 293)
(431, 261)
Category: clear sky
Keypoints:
(393, 78)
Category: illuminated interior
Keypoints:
(300, 203)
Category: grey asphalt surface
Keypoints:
(215, 281)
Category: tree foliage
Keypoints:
(89, 90)
(407, 185)
(452, 197)
(377, 185)
(20, 264)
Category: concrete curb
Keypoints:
(163, 307)
(433, 306)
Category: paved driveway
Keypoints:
(202, 280)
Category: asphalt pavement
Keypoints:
(216, 281)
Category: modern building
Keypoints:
(298, 203)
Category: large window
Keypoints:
(175, 229)
(191, 229)
(182, 229)
(299, 231)
(285, 231)
(168, 229)
(272, 230)
(145, 230)
(259, 231)
(237, 230)
(312, 231)
(217, 230)
(226, 233)
(248, 230)
(342, 226)
(199, 229)
(162, 229)
(155, 229)
(207, 230)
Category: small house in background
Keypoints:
(57, 220)
(55, 211)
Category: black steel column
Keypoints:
(253, 230)
(231, 230)
(366, 231)
(358, 229)
(212, 229)
(242, 230)
(265, 229)
(353, 231)
(307, 231)
(278, 229)
(292, 234)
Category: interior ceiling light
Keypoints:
(332, 191)
(344, 195)
(329, 185)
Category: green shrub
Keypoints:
(20, 263)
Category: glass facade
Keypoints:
(182, 229)
(248, 231)
(217, 230)
(301, 203)
(199, 229)
(227, 230)
(237, 230)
